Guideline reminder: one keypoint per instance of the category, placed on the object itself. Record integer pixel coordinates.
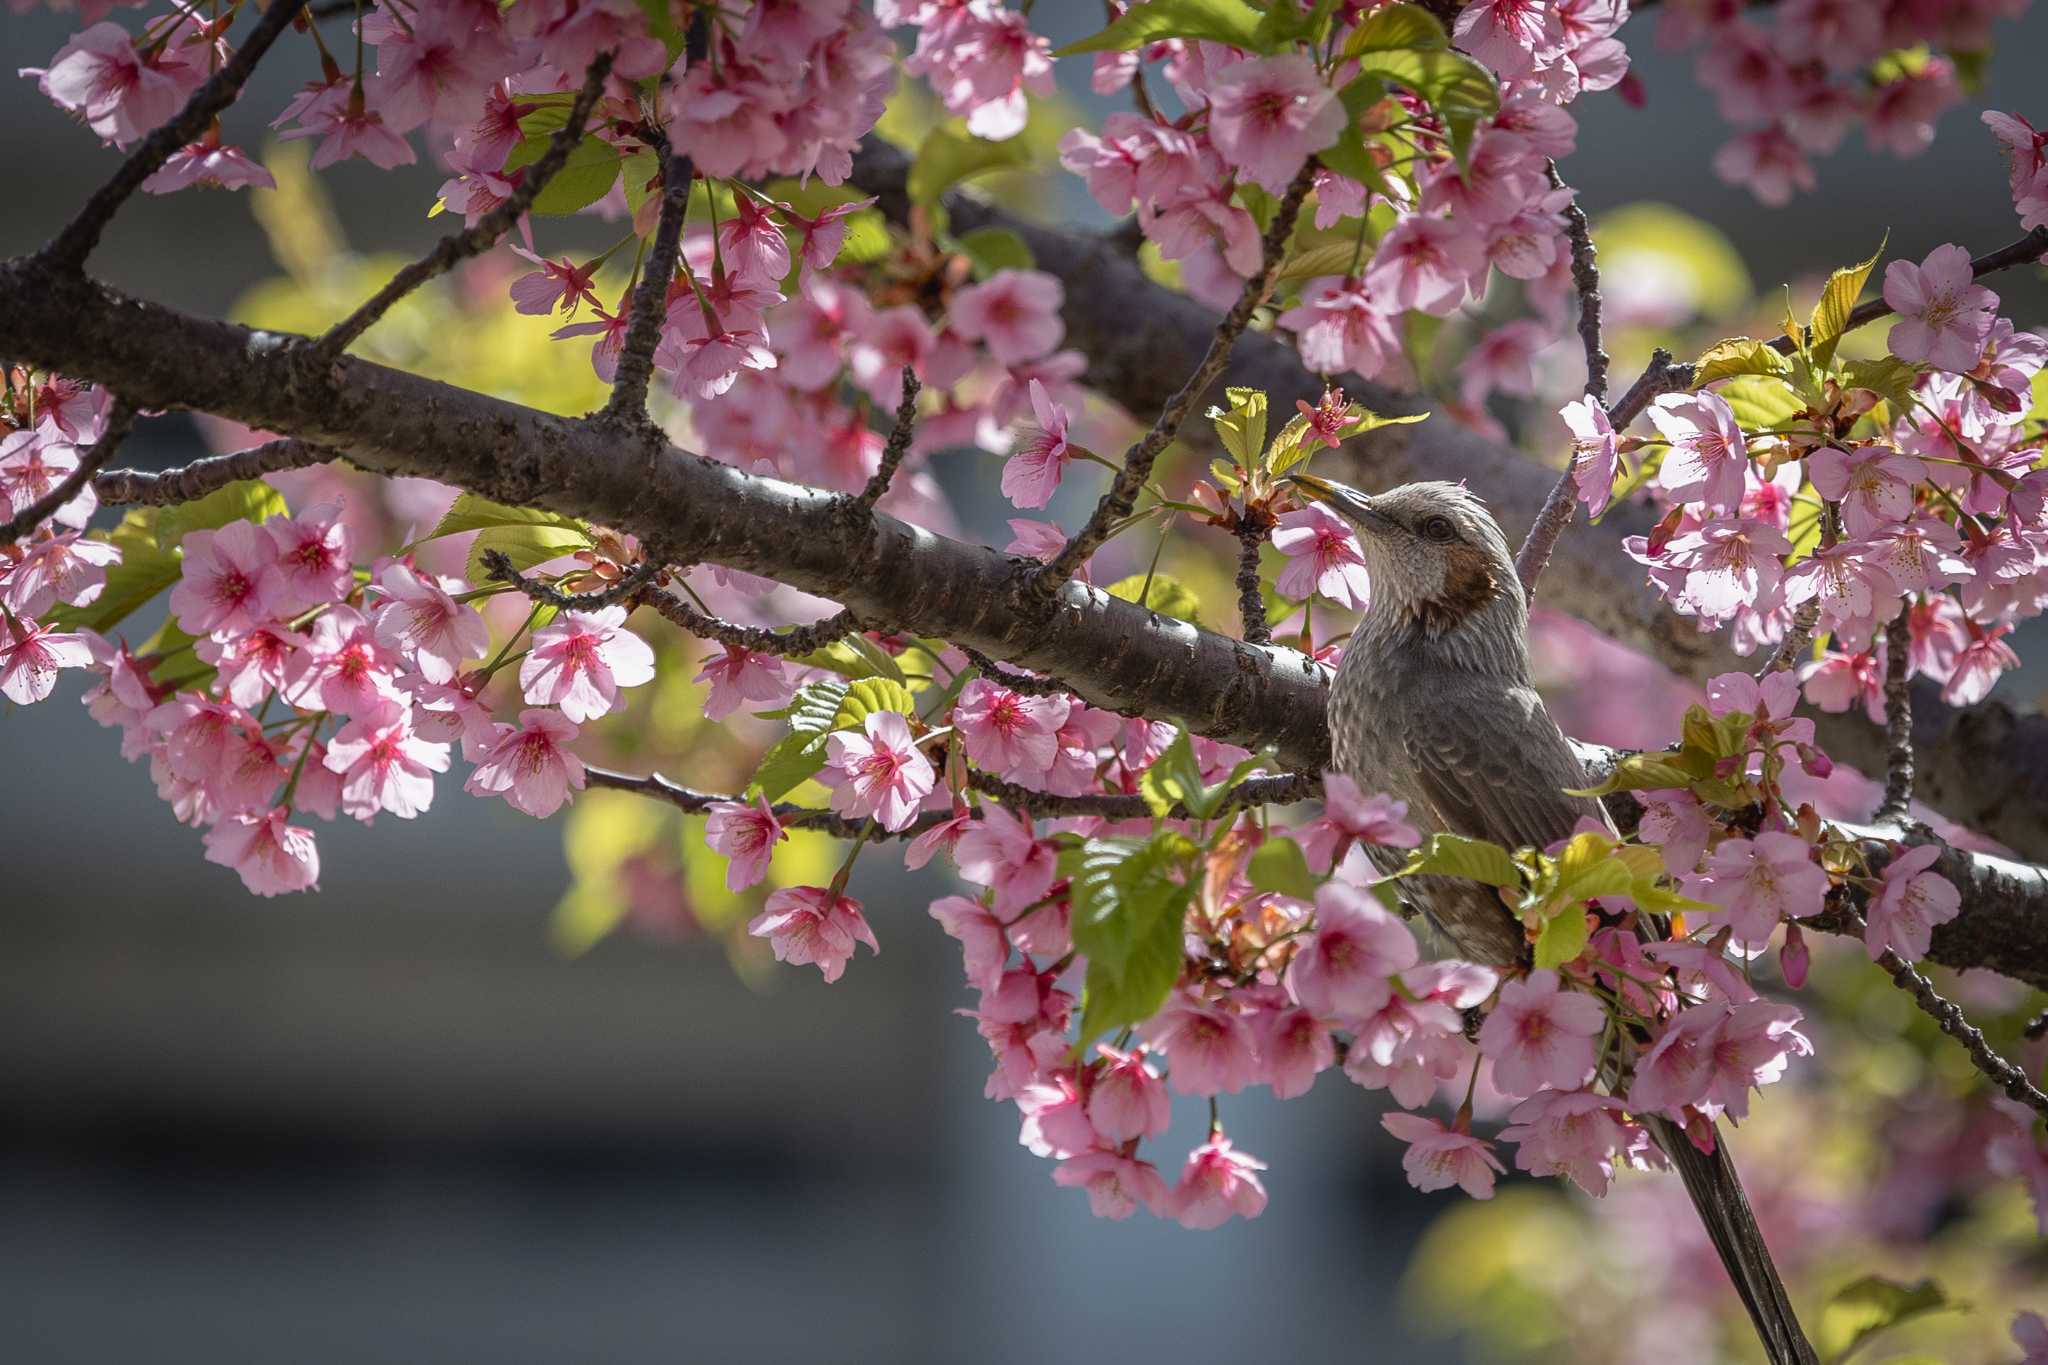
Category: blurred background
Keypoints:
(395, 1121)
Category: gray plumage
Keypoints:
(1433, 704)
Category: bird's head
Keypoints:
(1435, 554)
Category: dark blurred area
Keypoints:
(389, 1122)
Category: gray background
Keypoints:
(388, 1123)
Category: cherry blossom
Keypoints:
(31, 655)
(1032, 475)
(812, 925)
(984, 947)
(1218, 1183)
(747, 835)
(1323, 557)
(528, 765)
(228, 581)
(1538, 1035)
(1575, 1133)
(1595, 453)
(878, 771)
(384, 765)
(1944, 315)
(580, 660)
(1342, 972)
(420, 618)
(1117, 1185)
(1759, 881)
(271, 855)
(1912, 901)
(1349, 816)
(1015, 313)
(1708, 457)
(1439, 1157)
(1209, 1050)
(1014, 735)
(1269, 114)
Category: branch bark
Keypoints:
(1985, 766)
(1113, 653)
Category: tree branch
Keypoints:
(628, 403)
(1984, 766)
(796, 640)
(189, 482)
(499, 565)
(485, 232)
(1116, 504)
(2026, 250)
(1898, 724)
(69, 248)
(1251, 601)
(899, 445)
(120, 417)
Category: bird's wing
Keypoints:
(1495, 766)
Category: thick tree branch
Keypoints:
(1113, 653)
(69, 248)
(186, 483)
(1985, 766)
(482, 235)
(120, 417)
(1116, 504)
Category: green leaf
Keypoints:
(472, 513)
(1175, 776)
(1864, 1307)
(1562, 939)
(1285, 24)
(1761, 401)
(993, 248)
(586, 175)
(814, 709)
(951, 154)
(1278, 865)
(793, 760)
(1130, 903)
(525, 546)
(1349, 154)
(842, 658)
(1168, 595)
(1641, 772)
(1888, 377)
(1396, 27)
(1454, 855)
(1454, 84)
(1585, 869)
(246, 500)
(1290, 449)
(1837, 300)
(1224, 21)
(1737, 355)
(1242, 426)
(869, 696)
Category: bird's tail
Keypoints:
(1717, 1195)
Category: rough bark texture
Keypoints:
(1985, 766)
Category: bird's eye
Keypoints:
(1439, 528)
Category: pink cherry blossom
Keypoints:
(346, 128)
(1511, 36)
(1751, 1045)
(1323, 557)
(1759, 881)
(580, 660)
(1595, 453)
(1002, 852)
(528, 764)
(32, 464)
(313, 566)
(1674, 1071)
(746, 835)
(1341, 326)
(1269, 114)
(1428, 264)
(1910, 903)
(419, 618)
(1439, 1157)
(1874, 485)
(1218, 1183)
(557, 286)
(209, 164)
(1708, 458)
(271, 855)
(102, 76)
(228, 580)
(878, 771)
(1944, 314)
(1033, 473)
(825, 235)
(983, 946)
(752, 245)
(1011, 734)
(1015, 313)
(1538, 1035)
(2022, 144)
(31, 654)
(384, 765)
(343, 668)
(1575, 1133)
(1209, 1050)
(811, 924)
(1351, 817)
(1127, 1099)
(1117, 1184)
(1769, 161)
(738, 676)
(1294, 1047)
(1055, 1118)
(1851, 587)
(1342, 972)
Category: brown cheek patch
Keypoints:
(1469, 584)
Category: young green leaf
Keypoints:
(1168, 595)
(1454, 855)
(868, 696)
(1242, 426)
(951, 154)
(1837, 301)
(1278, 865)
(1737, 355)
(1864, 1307)
(1396, 27)
(1223, 21)
(793, 760)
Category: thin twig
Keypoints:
(694, 802)
(1946, 1013)
(69, 248)
(1284, 789)
(794, 641)
(1898, 723)
(1028, 684)
(899, 445)
(119, 418)
(499, 566)
(628, 403)
(1806, 617)
(1586, 280)
(1122, 496)
(189, 482)
(485, 232)
(1251, 602)
(2025, 251)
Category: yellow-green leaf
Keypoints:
(1168, 595)
(1394, 27)
(951, 154)
(1837, 301)
(1737, 355)
(1223, 21)
(1242, 426)
(1454, 855)
(1864, 1307)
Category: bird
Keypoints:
(1432, 703)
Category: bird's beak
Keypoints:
(1343, 499)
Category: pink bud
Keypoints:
(1793, 958)
(1815, 762)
